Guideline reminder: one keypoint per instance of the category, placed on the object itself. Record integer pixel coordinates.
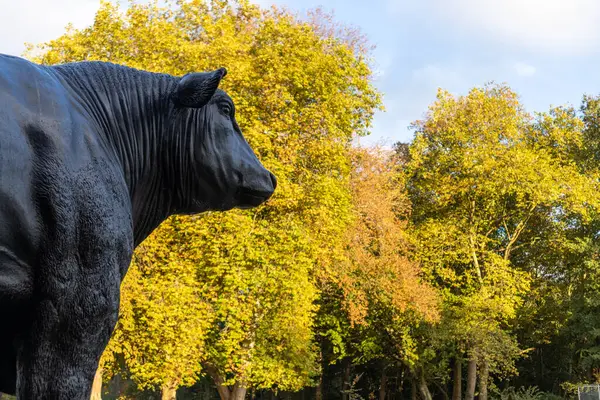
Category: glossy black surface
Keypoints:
(93, 157)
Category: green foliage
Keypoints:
(483, 177)
(524, 393)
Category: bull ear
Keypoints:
(196, 89)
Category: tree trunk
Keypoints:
(224, 392)
(346, 380)
(413, 393)
(400, 381)
(442, 390)
(238, 393)
(423, 389)
(483, 381)
(542, 369)
(471, 380)
(319, 388)
(97, 385)
(169, 392)
(319, 391)
(457, 385)
(382, 384)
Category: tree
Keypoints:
(376, 293)
(303, 92)
(164, 315)
(263, 301)
(481, 169)
(559, 320)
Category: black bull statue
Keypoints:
(93, 157)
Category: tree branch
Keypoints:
(518, 230)
(223, 390)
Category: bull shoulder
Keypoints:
(60, 195)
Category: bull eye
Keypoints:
(226, 109)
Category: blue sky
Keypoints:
(546, 50)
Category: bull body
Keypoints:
(93, 157)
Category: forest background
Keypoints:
(463, 264)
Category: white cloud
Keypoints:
(38, 21)
(552, 26)
(523, 69)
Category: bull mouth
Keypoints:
(249, 198)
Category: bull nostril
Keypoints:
(273, 180)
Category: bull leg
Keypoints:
(8, 365)
(73, 318)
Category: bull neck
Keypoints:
(134, 115)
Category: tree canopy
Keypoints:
(462, 263)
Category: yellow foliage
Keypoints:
(235, 292)
(481, 170)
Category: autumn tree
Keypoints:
(302, 93)
(164, 316)
(481, 170)
(559, 319)
(376, 293)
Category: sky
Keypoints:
(548, 51)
